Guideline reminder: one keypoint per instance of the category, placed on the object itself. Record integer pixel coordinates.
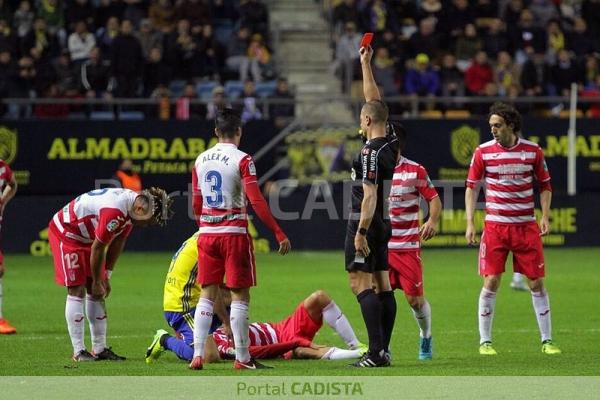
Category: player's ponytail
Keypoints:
(159, 204)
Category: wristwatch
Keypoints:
(363, 231)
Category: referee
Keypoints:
(368, 230)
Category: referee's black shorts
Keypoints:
(377, 238)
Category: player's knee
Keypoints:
(77, 291)
(415, 302)
(321, 298)
(492, 282)
(536, 285)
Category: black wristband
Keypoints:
(363, 231)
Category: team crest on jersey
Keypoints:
(463, 142)
(112, 225)
(251, 168)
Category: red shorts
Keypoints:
(522, 240)
(406, 271)
(297, 325)
(71, 260)
(229, 256)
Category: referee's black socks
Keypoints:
(371, 309)
(388, 317)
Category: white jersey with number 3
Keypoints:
(221, 172)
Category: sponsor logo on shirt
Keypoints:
(251, 168)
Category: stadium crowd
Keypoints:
(136, 48)
(508, 48)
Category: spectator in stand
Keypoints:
(95, 79)
(496, 39)
(426, 39)
(258, 61)
(527, 34)
(39, 43)
(590, 10)
(135, 11)
(8, 40)
(378, 18)
(556, 41)
(467, 45)
(250, 110)
(52, 11)
(454, 21)
(512, 12)
(80, 10)
(126, 61)
(346, 54)
(66, 75)
(544, 11)
(148, 37)
(53, 110)
(591, 71)
(430, 8)
(211, 54)
(534, 73)
(422, 79)
(107, 34)
(478, 75)
(156, 72)
(593, 91)
(237, 51)
(185, 110)
(224, 12)
(280, 113)
(23, 18)
(197, 12)
(217, 103)
(562, 74)
(126, 178)
(506, 73)
(485, 12)
(22, 85)
(579, 40)
(186, 52)
(452, 79)
(6, 72)
(162, 15)
(346, 11)
(384, 72)
(81, 42)
(108, 9)
(255, 15)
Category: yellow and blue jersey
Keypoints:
(181, 291)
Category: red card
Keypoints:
(366, 40)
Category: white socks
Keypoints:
(541, 306)
(202, 322)
(423, 318)
(96, 315)
(1, 297)
(238, 318)
(74, 317)
(487, 302)
(339, 323)
(335, 353)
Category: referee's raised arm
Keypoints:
(369, 86)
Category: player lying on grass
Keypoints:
(291, 337)
(87, 237)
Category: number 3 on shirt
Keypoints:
(215, 180)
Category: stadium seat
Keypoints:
(131, 116)
(431, 114)
(102, 115)
(234, 89)
(204, 89)
(458, 114)
(266, 89)
(176, 88)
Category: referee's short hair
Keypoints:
(227, 122)
(377, 110)
(510, 115)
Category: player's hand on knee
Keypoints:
(284, 246)
(98, 290)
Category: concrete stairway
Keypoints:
(305, 56)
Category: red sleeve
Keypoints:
(8, 174)
(476, 169)
(259, 204)
(272, 350)
(111, 221)
(425, 186)
(196, 196)
(542, 174)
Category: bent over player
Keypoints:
(223, 178)
(87, 237)
(8, 189)
(510, 165)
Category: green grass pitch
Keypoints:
(35, 305)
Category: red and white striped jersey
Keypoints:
(409, 183)
(509, 175)
(100, 214)
(6, 174)
(261, 334)
(219, 175)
